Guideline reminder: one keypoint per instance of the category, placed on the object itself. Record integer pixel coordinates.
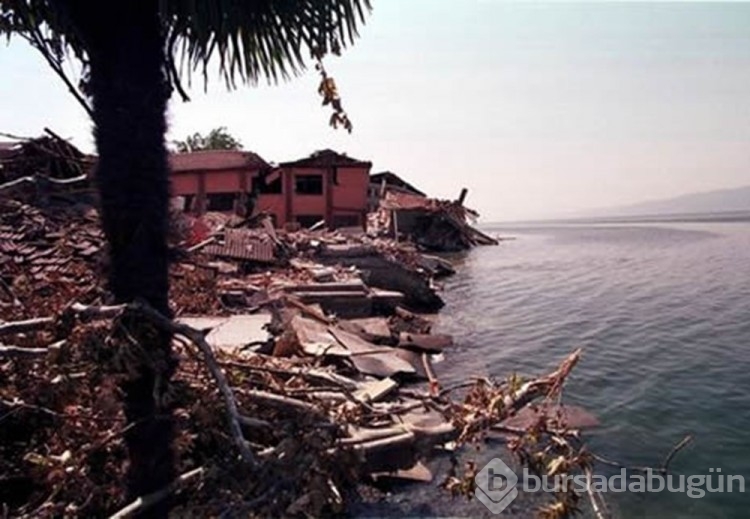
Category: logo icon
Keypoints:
(496, 486)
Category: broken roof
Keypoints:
(395, 200)
(6, 148)
(393, 180)
(216, 160)
(326, 159)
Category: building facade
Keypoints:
(325, 186)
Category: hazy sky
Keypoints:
(538, 109)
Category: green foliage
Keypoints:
(217, 139)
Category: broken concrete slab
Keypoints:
(380, 272)
(386, 300)
(315, 339)
(239, 331)
(414, 359)
(373, 329)
(436, 266)
(371, 359)
(343, 304)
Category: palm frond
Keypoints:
(254, 39)
(249, 39)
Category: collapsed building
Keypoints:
(402, 212)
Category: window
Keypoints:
(308, 220)
(308, 184)
(267, 185)
(221, 201)
(189, 203)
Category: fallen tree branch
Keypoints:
(17, 351)
(286, 402)
(89, 311)
(202, 244)
(687, 440)
(664, 469)
(145, 502)
(193, 335)
(309, 373)
(529, 391)
(597, 503)
(36, 178)
(197, 338)
(28, 325)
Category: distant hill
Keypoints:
(723, 200)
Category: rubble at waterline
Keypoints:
(318, 333)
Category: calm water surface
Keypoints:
(662, 311)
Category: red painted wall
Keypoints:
(304, 204)
(346, 197)
(350, 194)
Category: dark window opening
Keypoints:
(268, 185)
(346, 220)
(221, 201)
(308, 220)
(308, 184)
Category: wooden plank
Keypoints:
(374, 391)
(414, 359)
(355, 286)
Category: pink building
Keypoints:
(217, 180)
(327, 186)
(324, 186)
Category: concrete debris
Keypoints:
(373, 329)
(242, 244)
(318, 334)
(239, 332)
(370, 359)
(433, 225)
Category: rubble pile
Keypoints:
(49, 156)
(48, 257)
(431, 224)
(43, 167)
(309, 343)
(313, 387)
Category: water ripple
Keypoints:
(662, 312)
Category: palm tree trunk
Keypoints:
(125, 44)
